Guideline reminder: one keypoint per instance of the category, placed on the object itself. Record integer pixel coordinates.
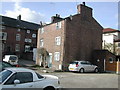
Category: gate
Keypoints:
(112, 66)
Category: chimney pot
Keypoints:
(19, 17)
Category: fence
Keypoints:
(112, 66)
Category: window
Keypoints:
(111, 60)
(3, 27)
(34, 35)
(39, 76)
(57, 56)
(3, 35)
(57, 40)
(28, 31)
(27, 48)
(23, 77)
(18, 37)
(58, 25)
(18, 30)
(17, 47)
(41, 30)
(41, 42)
(28, 40)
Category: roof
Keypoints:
(110, 30)
(7, 21)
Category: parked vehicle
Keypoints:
(12, 59)
(82, 66)
(4, 65)
(26, 78)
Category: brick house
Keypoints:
(111, 40)
(18, 37)
(71, 38)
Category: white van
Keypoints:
(12, 59)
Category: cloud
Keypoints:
(26, 13)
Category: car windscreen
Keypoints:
(13, 58)
(4, 75)
(74, 63)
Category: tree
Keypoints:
(44, 53)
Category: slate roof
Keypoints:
(7, 21)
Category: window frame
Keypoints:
(58, 25)
(28, 31)
(15, 77)
(17, 47)
(57, 56)
(18, 37)
(58, 40)
(41, 42)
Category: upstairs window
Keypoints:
(41, 42)
(58, 25)
(28, 31)
(41, 30)
(28, 40)
(34, 35)
(18, 37)
(18, 30)
(58, 40)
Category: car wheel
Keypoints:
(96, 70)
(49, 88)
(81, 70)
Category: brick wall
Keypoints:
(83, 35)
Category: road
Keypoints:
(87, 80)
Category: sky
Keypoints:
(106, 13)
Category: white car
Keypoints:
(12, 59)
(82, 66)
(26, 78)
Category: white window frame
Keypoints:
(27, 48)
(18, 29)
(18, 37)
(57, 56)
(34, 35)
(28, 40)
(57, 40)
(41, 42)
(17, 47)
(41, 30)
(28, 31)
(58, 25)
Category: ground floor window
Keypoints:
(27, 48)
(17, 47)
(57, 56)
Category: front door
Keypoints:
(50, 60)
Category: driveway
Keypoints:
(87, 80)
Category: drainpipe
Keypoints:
(104, 65)
(117, 69)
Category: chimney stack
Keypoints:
(19, 17)
(84, 10)
(55, 18)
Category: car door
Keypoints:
(89, 66)
(25, 78)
